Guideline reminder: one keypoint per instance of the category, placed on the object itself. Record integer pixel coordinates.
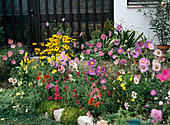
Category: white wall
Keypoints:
(132, 18)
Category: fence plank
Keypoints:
(5, 21)
(47, 15)
(94, 14)
(87, 19)
(55, 16)
(62, 11)
(71, 17)
(21, 21)
(78, 18)
(13, 20)
(39, 21)
(102, 13)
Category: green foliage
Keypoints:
(159, 20)
(70, 116)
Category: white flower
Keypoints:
(14, 81)
(134, 94)
(69, 75)
(156, 67)
(166, 98)
(10, 79)
(158, 53)
(82, 57)
(155, 61)
(160, 103)
(169, 92)
(63, 19)
(1, 90)
(123, 71)
(126, 105)
(26, 110)
(155, 98)
(2, 119)
(151, 46)
(136, 80)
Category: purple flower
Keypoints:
(98, 71)
(138, 50)
(63, 63)
(99, 44)
(134, 54)
(71, 62)
(103, 81)
(143, 68)
(38, 83)
(147, 44)
(117, 41)
(139, 44)
(123, 61)
(100, 53)
(50, 85)
(82, 46)
(60, 57)
(114, 56)
(153, 92)
(59, 33)
(120, 50)
(47, 23)
(13, 61)
(103, 36)
(119, 27)
(110, 33)
(103, 69)
(61, 69)
(91, 71)
(92, 62)
(76, 60)
(52, 63)
(87, 79)
(142, 61)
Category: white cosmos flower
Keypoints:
(156, 67)
(158, 53)
(166, 98)
(14, 81)
(10, 79)
(134, 94)
(136, 80)
(126, 105)
(155, 61)
(169, 92)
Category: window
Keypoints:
(141, 2)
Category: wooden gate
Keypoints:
(24, 20)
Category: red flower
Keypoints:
(78, 73)
(118, 74)
(77, 102)
(108, 93)
(65, 88)
(47, 76)
(39, 73)
(74, 91)
(91, 79)
(59, 67)
(38, 78)
(63, 98)
(59, 97)
(111, 77)
(97, 83)
(66, 77)
(75, 95)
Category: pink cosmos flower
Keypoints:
(103, 36)
(114, 56)
(117, 42)
(12, 45)
(153, 92)
(88, 114)
(110, 33)
(151, 46)
(142, 61)
(143, 68)
(120, 51)
(80, 34)
(88, 51)
(126, 105)
(19, 44)
(76, 60)
(82, 46)
(157, 115)
(47, 23)
(13, 61)
(158, 53)
(10, 41)
(147, 44)
(138, 76)
(123, 61)
(165, 75)
(95, 49)
(110, 53)
(10, 53)
(99, 44)
(74, 44)
(91, 71)
(5, 57)
(103, 80)
(21, 51)
(104, 87)
(100, 53)
(119, 27)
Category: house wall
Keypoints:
(133, 19)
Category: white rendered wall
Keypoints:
(133, 18)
